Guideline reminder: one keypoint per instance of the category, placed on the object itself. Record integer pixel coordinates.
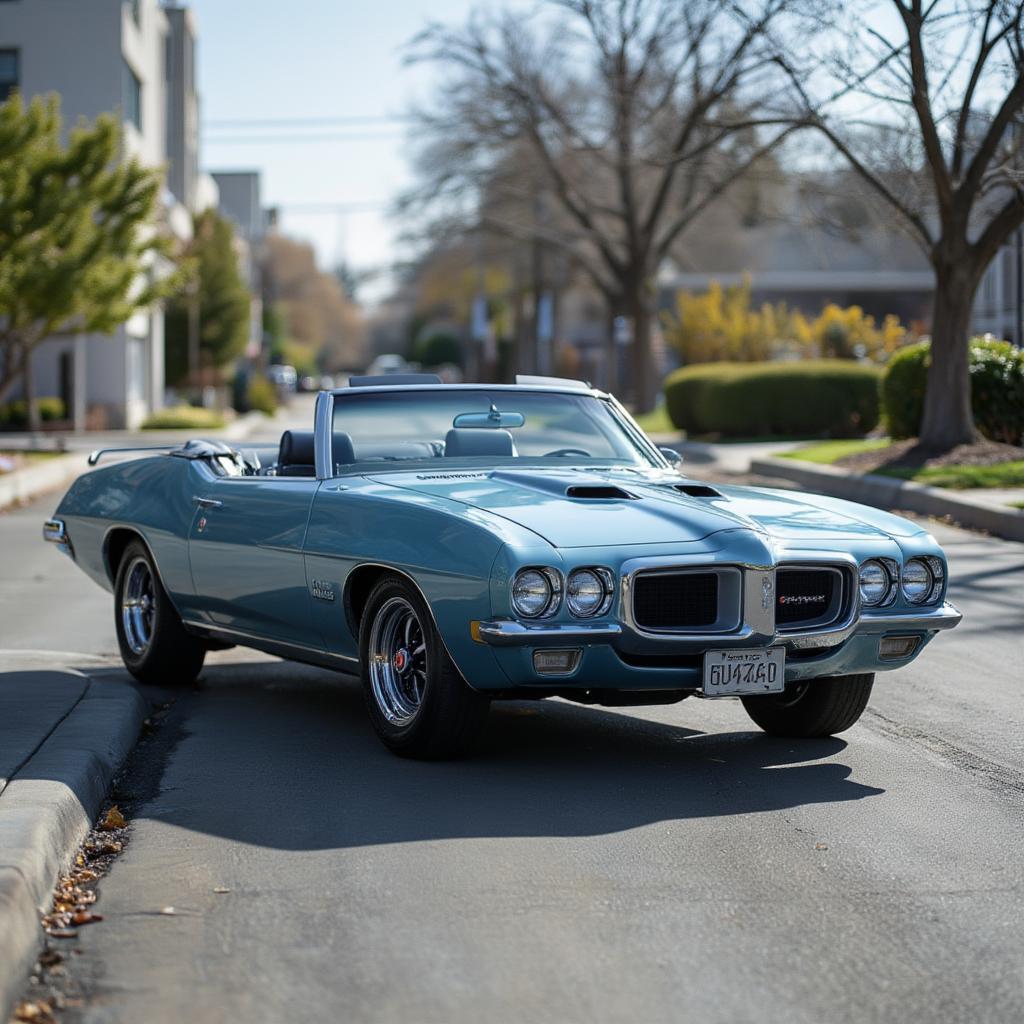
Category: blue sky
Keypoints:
(309, 60)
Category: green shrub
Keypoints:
(997, 389)
(15, 414)
(824, 397)
(184, 417)
(438, 349)
(261, 396)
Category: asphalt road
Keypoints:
(640, 865)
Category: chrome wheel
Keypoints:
(138, 603)
(397, 661)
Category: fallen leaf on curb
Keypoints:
(220, 888)
(821, 846)
(50, 957)
(168, 911)
(113, 820)
(36, 1013)
(85, 917)
(61, 933)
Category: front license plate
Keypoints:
(738, 673)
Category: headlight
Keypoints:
(874, 582)
(588, 592)
(917, 581)
(536, 592)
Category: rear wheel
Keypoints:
(817, 707)
(419, 704)
(154, 645)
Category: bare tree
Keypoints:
(943, 82)
(633, 115)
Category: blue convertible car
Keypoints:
(458, 544)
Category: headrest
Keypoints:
(468, 441)
(296, 449)
(343, 452)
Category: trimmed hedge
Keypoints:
(15, 414)
(184, 417)
(997, 389)
(824, 397)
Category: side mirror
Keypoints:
(673, 457)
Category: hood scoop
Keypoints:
(697, 490)
(598, 492)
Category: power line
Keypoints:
(287, 122)
(226, 140)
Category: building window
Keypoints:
(8, 73)
(132, 96)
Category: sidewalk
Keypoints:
(29, 481)
(63, 735)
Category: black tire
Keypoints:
(818, 707)
(418, 703)
(155, 646)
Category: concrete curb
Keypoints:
(889, 493)
(25, 484)
(46, 811)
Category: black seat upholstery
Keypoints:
(296, 457)
(343, 452)
(478, 442)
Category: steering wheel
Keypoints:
(567, 451)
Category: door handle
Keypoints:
(207, 502)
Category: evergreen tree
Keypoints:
(77, 235)
(223, 299)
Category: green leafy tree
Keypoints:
(222, 301)
(77, 235)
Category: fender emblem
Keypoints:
(322, 590)
(766, 592)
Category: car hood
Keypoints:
(586, 508)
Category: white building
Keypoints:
(137, 59)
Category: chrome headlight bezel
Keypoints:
(553, 581)
(606, 585)
(912, 565)
(889, 579)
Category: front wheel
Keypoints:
(154, 645)
(419, 704)
(817, 707)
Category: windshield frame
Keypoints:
(324, 428)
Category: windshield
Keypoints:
(496, 427)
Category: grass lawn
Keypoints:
(826, 452)
(1017, 504)
(656, 421)
(184, 417)
(1003, 474)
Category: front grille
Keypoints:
(675, 600)
(810, 596)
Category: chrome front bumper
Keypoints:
(55, 532)
(513, 633)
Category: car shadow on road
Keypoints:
(283, 756)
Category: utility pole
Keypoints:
(193, 335)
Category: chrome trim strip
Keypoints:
(322, 435)
(945, 616)
(207, 629)
(508, 633)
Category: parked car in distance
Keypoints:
(308, 383)
(458, 544)
(283, 377)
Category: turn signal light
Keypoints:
(892, 648)
(556, 662)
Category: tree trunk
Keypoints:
(32, 407)
(948, 420)
(644, 391)
(611, 349)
